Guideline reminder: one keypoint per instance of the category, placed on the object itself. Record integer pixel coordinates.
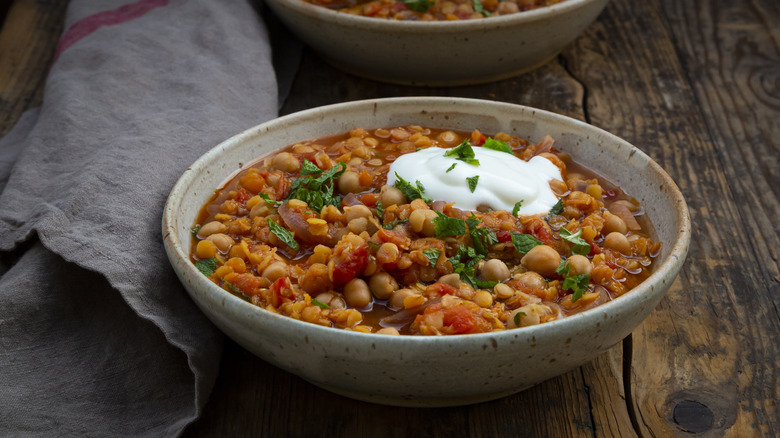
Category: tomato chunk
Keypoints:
(351, 264)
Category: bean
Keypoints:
(356, 211)
(483, 299)
(286, 162)
(613, 223)
(382, 285)
(349, 182)
(495, 270)
(332, 300)
(531, 280)
(421, 222)
(222, 241)
(503, 291)
(275, 271)
(357, 294)
(578, 265)
(449, 138)
(398, 297)
(315, 280)
(358, 225)
(617, 242)
(387, 253)
(451, 279)
(530, 314)
(542, 259)
(390, 195)
(388, 331)
(210, 228)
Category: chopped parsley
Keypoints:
(464, 153)
(432, 254)
(524, 242)
(451, 167)
(481, 238)
(463, 264)
(478, 8)
(283, 234)
(309, 168)
(419, 5)
(516, 208)
(473, 182)
(556, 209)
(579, 245)
(448, 226)
(517, 318)
(319, 304)
(318, 192)
(578, 284)
(268, 199)
(496, 145)
(380, 210)
(411, 192)
(206, 266)
(391, 225)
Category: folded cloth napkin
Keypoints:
(97, 336)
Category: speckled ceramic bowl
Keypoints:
(430, 371)
(440, 53)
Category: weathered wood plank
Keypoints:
(712, 339)
(27, 42)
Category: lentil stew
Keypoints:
(432, 10)
(313, 232)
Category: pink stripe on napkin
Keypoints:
(89, 24)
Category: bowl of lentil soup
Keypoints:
(293, 289)
(440, 52)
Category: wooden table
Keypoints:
(693, 83)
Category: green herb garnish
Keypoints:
(380, 211)
(463, 264)
(517, 318)
(319, 304)
(206, 266)
(283, 234)
(473, 182)
(562, 269)
(411, 192)
(451, 167)
(577, 284)
(516, 208)
(556, 209)
(579, 245)
(268, 199)
(318, 192)
(432, 254)
(481, 238)
(464, 153)
(496, 145)
(478, 8)
(448, 226)
(524, 242)
(309, 168)
(419, 5)
(195, 230)
(373, 245)
(391, 225)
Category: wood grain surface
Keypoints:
(693, 83)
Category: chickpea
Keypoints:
(356, 211)
(505, 8)
(382, 285)
(613, 223)
(578, 265)
(286, 162)
(222, 241)
(398, 297)
(390, 195)
(483, 298)
(503, 291)
(421, 222)
(530, 314)
(210, 228)
(387, 253)
(259, 209)
(542, 259)
(531, 280)
(332, 300)
(205, 249)
(315, 280)
(356, 293)
(451, 279)
(449, 138)
(275, 271)
(617, 242)
(495, 270)
(349, 182)
(388, 331)
(358, 225)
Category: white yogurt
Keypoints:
(503, 179)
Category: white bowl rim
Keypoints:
(671, 264)
(382, 25)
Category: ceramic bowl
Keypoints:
(416, 370)
(438, 53)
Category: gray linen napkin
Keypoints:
(97, 336)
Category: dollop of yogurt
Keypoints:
(503, 179)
